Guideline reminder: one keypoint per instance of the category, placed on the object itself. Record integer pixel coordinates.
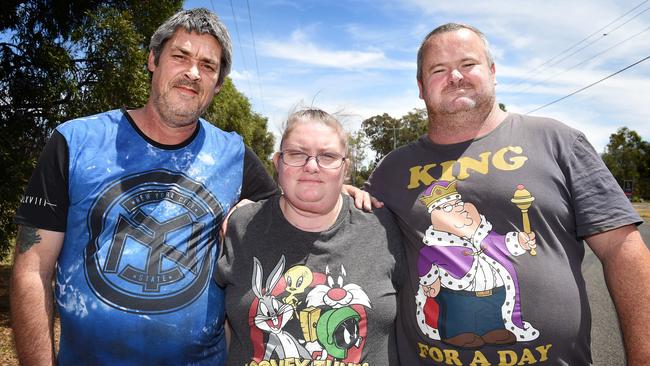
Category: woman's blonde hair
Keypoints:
(314, 115)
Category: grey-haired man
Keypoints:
(126, 206)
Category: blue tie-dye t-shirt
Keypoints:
(134, 277)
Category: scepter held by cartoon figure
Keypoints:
(523, 199)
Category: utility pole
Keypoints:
(394, 136)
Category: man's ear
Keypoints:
(420, 89)
(493, 69)
(217, 88)
(151, 64)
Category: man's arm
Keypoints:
(32, 310)
(626, 265)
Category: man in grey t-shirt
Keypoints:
(494, 207)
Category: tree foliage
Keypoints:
(357, 152)
(231, 111)
(627, 156)
(385, 133)
(62, 59)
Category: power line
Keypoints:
(584, 61)
(257, 66)
(550, 62)
(241, 49)
(604, 35)
(589, 86)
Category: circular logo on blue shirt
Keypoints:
(153, 242)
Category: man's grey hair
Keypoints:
(201, 21)
(451, 27)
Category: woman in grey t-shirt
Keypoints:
(310, 279)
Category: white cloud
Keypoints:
(300, 49)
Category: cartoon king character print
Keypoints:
(307, 315)
(469, 293)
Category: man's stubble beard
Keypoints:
(177, 114)
(461, 119)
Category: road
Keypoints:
(607, 347)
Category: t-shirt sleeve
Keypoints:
(257, 184)
(45, 202)
(224, 262)
(396, 244)
(599, 202)
(225, 273)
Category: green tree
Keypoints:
(357, 152)
(627, 156)
(386, 133)
(64, 59)
(231, 111)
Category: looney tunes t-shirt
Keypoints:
(303, 298)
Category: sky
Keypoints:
(358, 57)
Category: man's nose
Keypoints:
(455, 76)
(193, 72)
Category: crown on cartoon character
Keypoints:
(439, 193)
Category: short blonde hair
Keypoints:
(315, 115)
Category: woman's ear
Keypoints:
(276, 161)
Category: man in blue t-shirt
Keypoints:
(126, 206)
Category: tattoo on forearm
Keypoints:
(27, 237)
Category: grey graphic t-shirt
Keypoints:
(494, 230)
(313, 299)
